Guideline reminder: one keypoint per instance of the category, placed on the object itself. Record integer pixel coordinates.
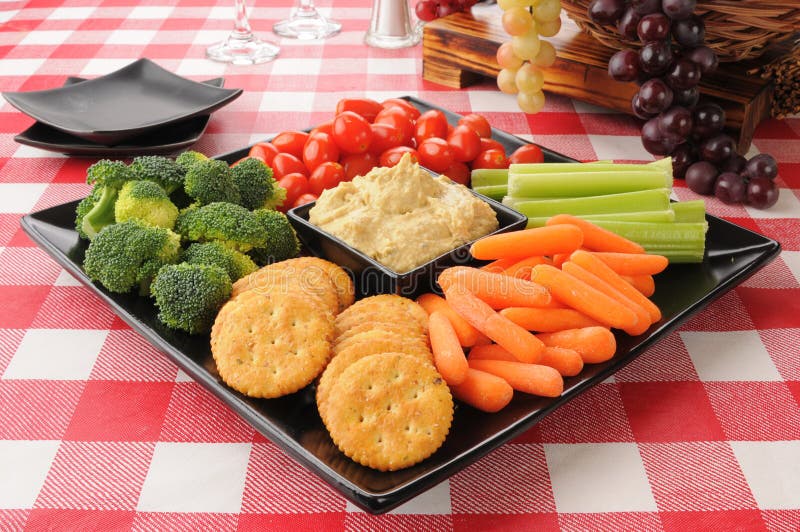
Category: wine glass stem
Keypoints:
(241, 25)
(306, 6)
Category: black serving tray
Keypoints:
(292, 422)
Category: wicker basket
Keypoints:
(735, 29)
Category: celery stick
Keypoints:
(661, 235)
(689, 211)
(637, 216)
(560, 184)
(679, 256)
(642, 200)
(482, 177)
(663, 165)
(496, 192)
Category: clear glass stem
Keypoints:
(241, 26)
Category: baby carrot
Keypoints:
(467, 334)
(522, 269)
(498, 266)
(592, 263)
(643, 283)
(559, 259)
(567, 362)
(582, 297)
(522, 344)
(529, 378)
(448, 357)
(547, 319)
(483, 391)
(528, 242)
(593, 344)
(643, 321)
(496, 289)
(633, 263)
(596, 238)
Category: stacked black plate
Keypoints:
(139, 109)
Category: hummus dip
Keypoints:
(403, 216)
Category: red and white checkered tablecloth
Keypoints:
(98, 430)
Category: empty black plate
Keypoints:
(166, 139)
(124, 104)
(292, 422)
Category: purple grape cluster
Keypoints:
(668, 68)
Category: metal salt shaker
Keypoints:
(390, 25)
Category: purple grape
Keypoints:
(682, 158)
(645, 7)
(678, 9)
(654, 141)
(687, 98)
(730, 188)
(761, 165)
(676, 122)
(606, 12)
(704, 57)
(735, 163)
(708, 119)
(655, 96)
(762, 192)
(627, 24)
(690, 32)
(636, 105)
(653, 27)
(701, 177)
(717, 149)
(655, 57)
(624, 65)
(683, 74)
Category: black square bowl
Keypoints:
(370, 276)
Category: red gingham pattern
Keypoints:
(98, 430)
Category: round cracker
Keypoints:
(379, 334)
(389, 411)
(406, 329)
(385, 307)
(271, 344)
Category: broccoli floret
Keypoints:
(210, 181)
(161, 170)
(130, 253)
(256, 184)
(145, 201)
(236, 264)
(227, 223)
(107, 178)
(188, 296)
(188, 158)
(281, 243)
(83, 208)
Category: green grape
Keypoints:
(506, 81)
(530, 102)
(547, 10)
(517, 21)
(529, 78)
(508, 4)
(549, 28)
(526, 46)
(546, 56)
(506, 57)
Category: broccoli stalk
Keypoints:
(147, 202)
(189, 296)
(107, 178)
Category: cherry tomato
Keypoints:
(529, 153)
(491, 144)
(490, 159)
(384, 137)
(435, 154)
(325, 127)
(478, 123)
(305, 198)
(429, 125)
(363, 107)
(320, 148)
(325, 176)
(397, 117)
(392, 156)
(286, 163)
(265, 151)
(465, 143)
(291, 142)
(296, 185)
(411, 111)
(351, 132)
(358, 164)
(458, 172)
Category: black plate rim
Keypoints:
(380, 502)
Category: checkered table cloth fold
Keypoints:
(98, 430)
